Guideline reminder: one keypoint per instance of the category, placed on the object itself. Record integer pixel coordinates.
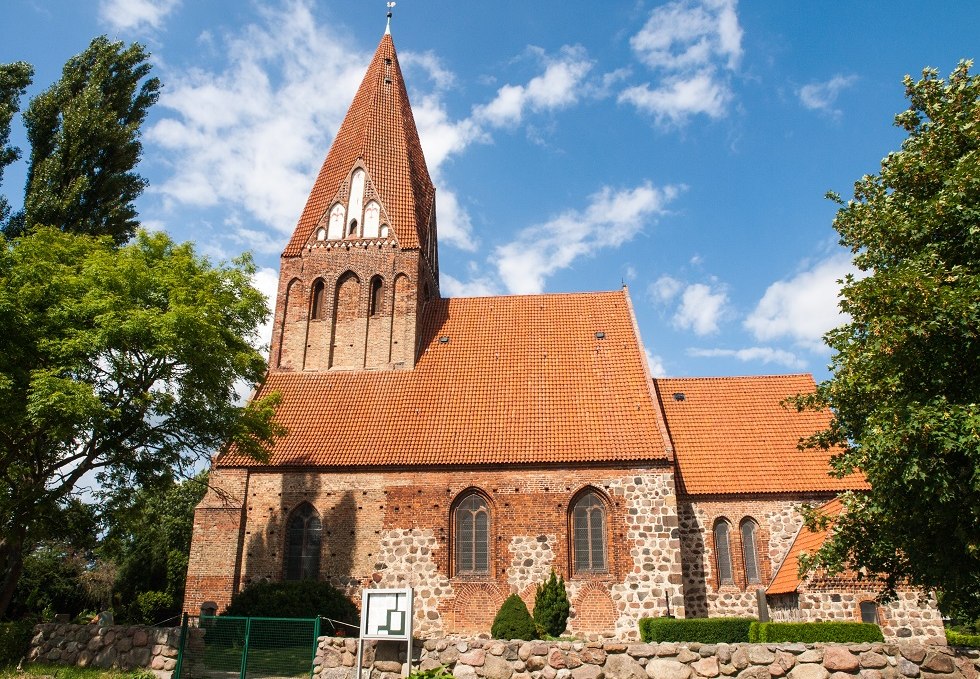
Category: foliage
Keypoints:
(551, 606)
(15, 641)
(954, 638)
(84, 133)
(904, 399)
(117, 362)
(440, 672)
(813, 632)
(149, 537)
(51, 583)
(704, 630)
(14, 79)
(513, 620)
(293, 599)
(42, 670)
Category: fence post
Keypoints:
(180, 650)
(248, 629)
(316, 643)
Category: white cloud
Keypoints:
(655, 364)
(754, 355)
(252, 136)
(804, 307)
(476, 287)
(679, 98)
(559, 86)
(266, 280)
(611, 218)
(701, 309)
(135, 15)
(431, 64)
(664, 289)
(692, 44)
(823, 96)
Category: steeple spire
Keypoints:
(388, 26)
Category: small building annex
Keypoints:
(467, 447)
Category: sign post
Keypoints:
(386, 614)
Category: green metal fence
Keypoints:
(228, 647)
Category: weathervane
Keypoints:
(388, 27)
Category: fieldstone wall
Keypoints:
(116, 646)
(469, 659)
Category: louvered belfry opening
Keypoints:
(472, 535)
(303, 535)
(589, 534)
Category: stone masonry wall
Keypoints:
(120, 647)
(393, 529)
(469, 659)
(778, 521)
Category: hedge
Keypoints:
(15, 641)
(813, 632)
(294, 599)
(960, 639)
(703, 630)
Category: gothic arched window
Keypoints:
(316, 300)
(589, 534)
(377, 301)
(750, 551)
(723, 552)
(472, 534)
(303, 533)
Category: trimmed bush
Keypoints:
(15, 641)
(293, 599)
(954, 638)
(813, 632)
(513, 621)
(551, 606)
(703, 630)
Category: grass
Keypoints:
(70, 672)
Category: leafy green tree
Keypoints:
(149, 538)
(14, 79)
(84, 133)
(551, 606)
(904, 390)
(120, 363)
(513, 621)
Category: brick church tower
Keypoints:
(362, 262)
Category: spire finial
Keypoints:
(388, 27)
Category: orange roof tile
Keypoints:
(380, 129)
(522, 379)
(732, 435)
(787, 579)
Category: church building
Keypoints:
(468, 446)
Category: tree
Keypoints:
(904, 390)
(120, 363)
(84, 133)
(513, 620)
(551, 606)
(14, 79)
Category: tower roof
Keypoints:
(379, 129)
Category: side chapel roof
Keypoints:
(787, 579)
(520, 379)
(380, 130)
(733, 435)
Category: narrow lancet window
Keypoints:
(589, 534)
(316, 301)
(723, 554)
(750, 551)
(303, 533)
(472, 535)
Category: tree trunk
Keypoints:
(12, 561)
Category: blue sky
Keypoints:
(683, 148)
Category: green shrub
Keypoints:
(954, 638)
(293, 599)
(15, 641)
(513, 621)
(813, 632)
(703, 630)
(153, 607)
(551, 606)
(441, 672)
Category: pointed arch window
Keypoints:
(723, 552)
(316, 300)
(377, 299)
(303, 535)
(750, 551)
(472, 535)
(589, 534)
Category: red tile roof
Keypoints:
(787, 579)
(522, 379)
(380, 129)
(732, 435)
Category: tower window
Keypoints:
(303, 533)
(377, 301)
(352, 228)
(472, 534)
(316, 303)
(589, 534)
(869, 612)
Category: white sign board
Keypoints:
(386, 614)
